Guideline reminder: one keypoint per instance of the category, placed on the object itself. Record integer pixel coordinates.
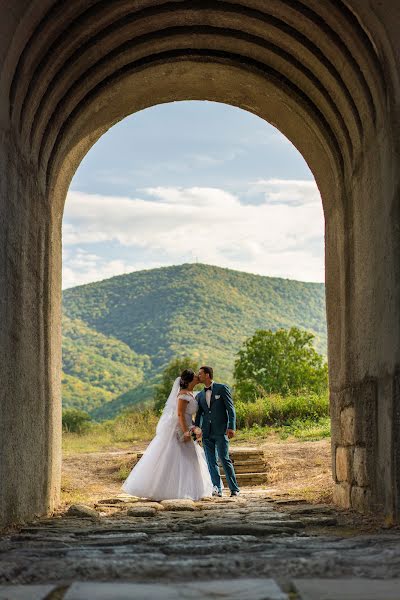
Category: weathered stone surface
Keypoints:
(182, 546)
(343, 463)
(360, 466)
(313, 509)
(155, 505)
(82, 511)
(179, 505)
(25, 592)
(347, 425)
(360, 498)
(341, 494)
(251, 589)
(289, 501)
(243, 529)
(347, 589)
(116, 500)
(141, 511)
(316, 521)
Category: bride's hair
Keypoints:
(187, 377)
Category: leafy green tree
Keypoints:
(170, 373)
(283, 362)
(75, 420)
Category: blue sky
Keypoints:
(192, 181)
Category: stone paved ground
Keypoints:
(252, 536)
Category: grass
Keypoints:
(310, 431)
(303, 416)
(70, 494)
(122, 432)
(276, 410)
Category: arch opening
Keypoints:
(74, 70)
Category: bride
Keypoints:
(173, 465)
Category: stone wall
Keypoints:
(353, 413)
(30, 343)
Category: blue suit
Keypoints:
(214, 420)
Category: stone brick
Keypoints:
(360, 473)
(341, 494)
(360, 498)
(141, 511)
(347, 589)
(235, 589)
(179, 504)
(343, 464)
(82, 511)
(347, 420)
(25, 592)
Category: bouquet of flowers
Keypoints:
(195, 434)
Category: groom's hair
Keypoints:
(208, 370)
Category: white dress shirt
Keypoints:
(208, 395)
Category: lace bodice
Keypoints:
(191, 407)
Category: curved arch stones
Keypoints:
(325, 73)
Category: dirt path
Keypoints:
(300, 469)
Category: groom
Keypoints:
(217, 416)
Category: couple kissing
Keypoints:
(174, 464)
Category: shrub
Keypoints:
(277, 410)
(132, 425)
(75, 420)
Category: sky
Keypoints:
(192, 182)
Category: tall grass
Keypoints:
(124, 430)
(304, 416)
(276, 410)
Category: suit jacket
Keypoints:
(220, 416)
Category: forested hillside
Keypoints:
(119, 333)
(97, 368)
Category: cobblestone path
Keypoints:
(248, 538)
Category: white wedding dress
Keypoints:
(170, 468)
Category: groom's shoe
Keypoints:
(216, 492)
(235, 493)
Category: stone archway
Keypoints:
(324, 73)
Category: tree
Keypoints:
(170, 373)
(284, 361)
(75, 420)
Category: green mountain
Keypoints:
(96, 367)
(119, 333)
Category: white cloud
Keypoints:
(293, 192)
(281, 237)
(81, 267)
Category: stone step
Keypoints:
(25, 592)
(246, 455)
(253, 468)
(248, 479)
(244, 463)
(250, 466)
(237, 456)
(232, 589)
(347, 589)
